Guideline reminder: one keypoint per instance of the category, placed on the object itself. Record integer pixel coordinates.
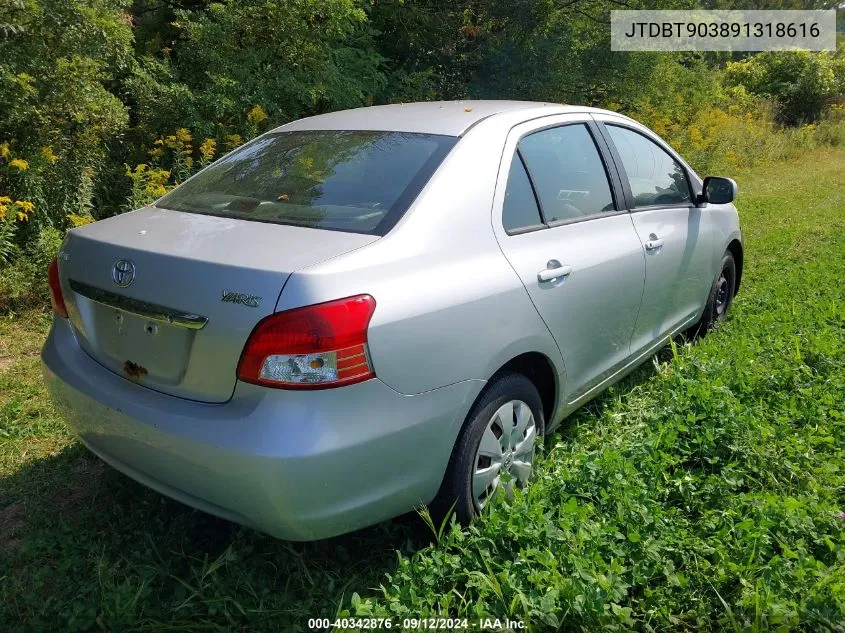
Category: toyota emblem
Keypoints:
(123, 272)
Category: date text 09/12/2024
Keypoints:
(414, 624)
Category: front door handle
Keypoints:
(653, 245)
(554, 270)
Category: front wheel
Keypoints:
(719, 300)
(496, 448)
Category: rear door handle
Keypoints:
(555, 271)
(653, 245)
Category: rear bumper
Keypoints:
(300, 465)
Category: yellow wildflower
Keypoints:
(234, 140)
(19, 164)
(49, 156)
(5, 152)
(25, 206)
(256, 115)
(184, 135)
(171, 141)
(155, 182)
(79, 220)
(5, 200)
(208, 148)
(695, 135)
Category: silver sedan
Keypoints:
(362, 312)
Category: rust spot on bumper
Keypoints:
(134, 370)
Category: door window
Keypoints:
(520, 209)
(654, 176)
(568, 173)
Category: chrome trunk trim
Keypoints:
(141, 309)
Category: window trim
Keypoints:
(610, 172)
(623, 175)
(530, 227)
(533, 228)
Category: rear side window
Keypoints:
(520, 209)
(355, 181)
(568, 173)
(654, 176)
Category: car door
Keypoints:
(675, 234)
(561, 227)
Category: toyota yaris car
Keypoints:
(362, 312)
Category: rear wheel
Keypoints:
(719, 300)
(495, 451)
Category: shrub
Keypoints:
(23, 283)
(800, 83)
(57, 114)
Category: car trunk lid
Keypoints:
(167, 299)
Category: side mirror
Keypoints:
(718, 190)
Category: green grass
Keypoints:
(703, 493)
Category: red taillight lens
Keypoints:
(57, 299)
(315, 347)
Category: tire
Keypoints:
(471, 463)
(719, 300)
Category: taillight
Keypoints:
(316, 347)
(57, 299)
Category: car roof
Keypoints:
(452, 118)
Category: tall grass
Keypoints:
(736, 138)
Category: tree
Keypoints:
(292, 58)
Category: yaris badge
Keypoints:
(239, 297)
(123, 272)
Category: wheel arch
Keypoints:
(540, 370)
(735, 249)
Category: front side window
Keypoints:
(654, 176)
(568, 173)
(356, 181)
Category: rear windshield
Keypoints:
(339, 180)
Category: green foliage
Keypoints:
(88, 87)
(23, 283)
(537, 50)
(292, 59)
(801, 83)
(56, 109)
